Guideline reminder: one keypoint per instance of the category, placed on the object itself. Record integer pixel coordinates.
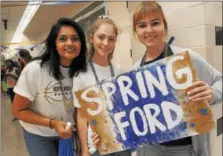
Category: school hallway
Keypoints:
(21, 28)
(12, 142)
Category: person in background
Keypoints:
(24, 57)
(102, 40)
(11, 76)
(43, 101)
(3, 72)
(150, 27)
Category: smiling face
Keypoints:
(68, 45)
(150, 29)
(104, 39)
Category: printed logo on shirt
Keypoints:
(53, 93)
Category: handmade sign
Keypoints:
(145, 106)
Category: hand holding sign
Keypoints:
(200, 91)
(197, 112)
(146, 106)
(95, 139)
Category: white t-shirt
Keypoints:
(45, 92)
(11, 77)
(87, 79)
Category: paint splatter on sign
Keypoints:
(145, 106)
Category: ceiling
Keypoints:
(47, 15)
(38, 27)
(12, 12)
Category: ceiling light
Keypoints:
(30, 11)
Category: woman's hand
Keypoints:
(95, 139)
(200, 91)
(60, 127)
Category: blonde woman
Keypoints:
(102, 39)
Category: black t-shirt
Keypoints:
(178, 142)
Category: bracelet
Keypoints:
(50, 124)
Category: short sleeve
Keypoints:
(28, 81)
(78, 84)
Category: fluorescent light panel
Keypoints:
(30, 11)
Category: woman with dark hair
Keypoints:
(24, 57)
(44, 101)
(11, 75)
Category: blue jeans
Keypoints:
(122, 153)
(41, 146)
(159, 150)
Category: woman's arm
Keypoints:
(209, 86)
(82, 128)
(20, 110)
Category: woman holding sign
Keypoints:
(44, 101)
(102, 41)
(150, 27)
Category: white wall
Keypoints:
(213, 17)
(123, 45)
(138, 49)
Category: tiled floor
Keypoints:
(12, 142)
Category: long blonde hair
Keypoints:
(101, 20)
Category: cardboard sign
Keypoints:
(145, 106)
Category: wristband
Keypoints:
(50, 124)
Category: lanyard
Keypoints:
(67, 102)
(62, 89)
(94, 71)
(167, 52)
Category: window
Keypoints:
(87, 16)
(218, 35)
(88, 21)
